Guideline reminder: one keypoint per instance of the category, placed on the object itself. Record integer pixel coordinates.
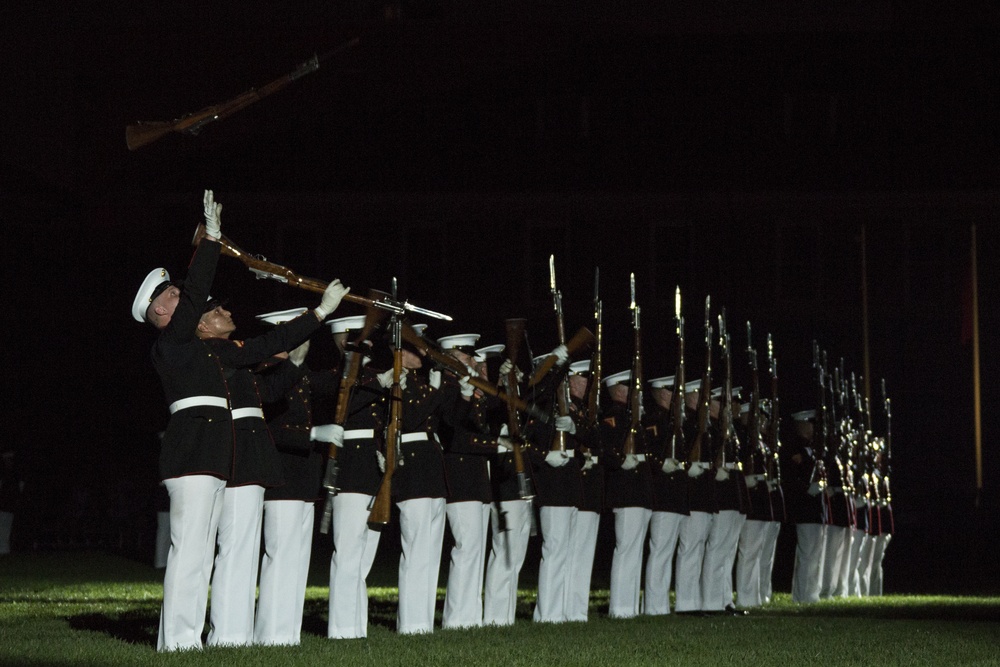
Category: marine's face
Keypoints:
(216, 323)
(163, 306)
(410, 360)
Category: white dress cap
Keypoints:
(578, 367)
(692, 386)
(665, 382)
(281, 316)
(804, 415)
(483, 353)
(464, 342)
(345, 324)
(617, 378)
(145, 294)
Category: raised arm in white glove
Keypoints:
(565, 423)
(332, 295)
(631, 462)
(434, 378)
(298, 355)
(557, 459)
(213, 216)
(328, 433)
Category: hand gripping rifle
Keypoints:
(562, 391)
(634, 406)
(677, 398)
(353, 355)
(140, 134)
(449, 362)
(515, 334)
(381, 507)
(704, 392)
(265, 269)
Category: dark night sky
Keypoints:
(489, 116)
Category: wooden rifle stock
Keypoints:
(454, 365)
(141, 134)
(515, 334)
(266, 269)
(582, 339)
(348, 378)
(704, 396)
(381, 509)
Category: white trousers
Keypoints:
(421, 529)
(234, 581)
(865, 565)
(355, 546)
(631, 525)
(162, 545)
(582, 548)
(555, 572)
(690, 555)
(288, 531)
(770, 549)
(750, 552)
(720, 556)
(463, 598)
(849, 567)
(878, 554)
(195, 509)
(664, 532)
(507, 550)
(807, 575)
(833, 559)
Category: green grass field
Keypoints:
(92, 608)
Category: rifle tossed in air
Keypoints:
(143, 133)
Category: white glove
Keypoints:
(752, 481)
(385, 379)
(298, 355)
(566, 424)
(504, 444)
(631, 462)
(670, 465)
(557, 459)
(332, 295)
(434, 378)
(381, 460)
(328, 433)
(721, 475)
(697, 468)
(505, 368)
(466, 387)
(814, 489)
(213, 216)
(588, 461)
(561, 354)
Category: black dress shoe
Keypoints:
(733, 611)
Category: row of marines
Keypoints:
(236, 474)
